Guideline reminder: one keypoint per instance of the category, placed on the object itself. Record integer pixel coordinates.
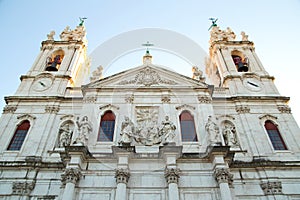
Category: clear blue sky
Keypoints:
(273, 26)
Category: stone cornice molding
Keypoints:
(268, 117)
(122, 175)
(172, 175)
(89, 99)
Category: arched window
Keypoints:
(274, 135)
(107, 127)
(19, 136)
(187, 127)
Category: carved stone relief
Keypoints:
(146, 131)
(147, 77)
(172, 175)
(223, 175)
(271, 188)
(213, 132)
(65, 134)
(229, 134)
(23, 188)
(122, 175)
(84, 130)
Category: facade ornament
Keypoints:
(242, 109)
(204, 99)
(129, 98)
(166, 99)
(77, 34)
(109, 106)
(197, 74)
(9, 109)
(284, 109)
(65, 134)
(22, 188)
(71, 175)
(127, 132)
(271, 188)
(48, 47)
(167, 131)
(230, 135)
(221, 35)
(97, 74)
(84, 129)
(172, 175)
(122, 175)
(185, 106)
(147, 77)
(52, 109)
(223, 175)
(26, 116)
(90, 99)
(244, 36)
(50, 36)
(147, 132)
(213, 132)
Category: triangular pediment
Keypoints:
(146, 76)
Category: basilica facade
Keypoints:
(148, 132)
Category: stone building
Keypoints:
(148, 132)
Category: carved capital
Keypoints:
(242, 109)
(204, 99)
(9, 109)
(22, 188)
(284, 109)
(172, 175)
(129, 98)
(71, 175)
(165, 99)
(52, 109)
(223, 176)
(122, 175)
(90, 99)
(271, 188)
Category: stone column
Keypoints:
(172, 177)
(69, 178)
(122, 176)
(224, 178)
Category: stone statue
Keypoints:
(84, 129)
(167, 131)
(213, 132)
(65, 134)
(50, 36)
(230, 34)
(229, 135)
(97, 74)
(127, 132)
(244, 36)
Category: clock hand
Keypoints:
(42, 84)
(255, 85)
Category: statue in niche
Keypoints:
(167, 131)
(229, 134)
(127, 132)
(65, 135)
(84, 129)
(213, 132)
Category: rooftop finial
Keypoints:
(82, 20)
(147, 45)
(213, 21)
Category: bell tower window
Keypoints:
(19, 136)
(241, 62)
(274, 135)
(53, 62)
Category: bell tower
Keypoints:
(60, 64)
(234, 64)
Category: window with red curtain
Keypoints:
(187, 127)
(274, 135)
(19, 136)
(107, 127)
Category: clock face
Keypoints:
(42, 83)
(252, 84)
